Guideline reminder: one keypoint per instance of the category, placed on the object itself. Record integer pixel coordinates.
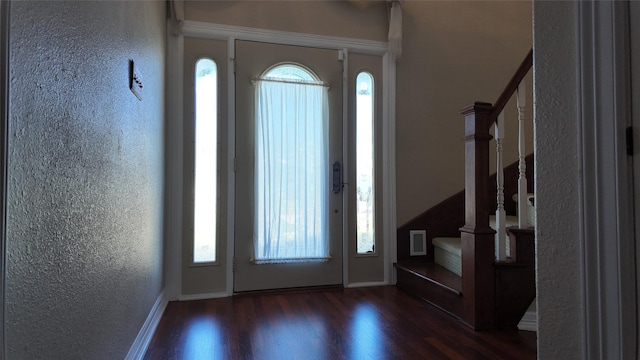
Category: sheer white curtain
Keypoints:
(291, 165)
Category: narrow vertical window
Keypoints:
(206, 164)
(365, 184)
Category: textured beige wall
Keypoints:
(455, 53)
(84, 228)
(558, 182)
(355, 19)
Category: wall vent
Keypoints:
(418, 242)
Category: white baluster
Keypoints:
(501, 233)
(523, 218)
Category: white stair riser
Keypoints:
(448, 254)
(449, 261)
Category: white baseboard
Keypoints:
(140, 344)
(366, 284)
(202, 296)
(529, 321)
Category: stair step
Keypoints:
(448, 250)
(510, 221)
(435, 274)
(448, 253)
(449, 244)
(432, 283)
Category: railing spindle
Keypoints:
(501, 232)
(523, 218)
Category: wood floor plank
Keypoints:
(367, 323)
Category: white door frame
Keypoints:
(174, 146)
(607, 204)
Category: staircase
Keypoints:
(448, 250)
(479, 268)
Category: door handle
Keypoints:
(337, 177)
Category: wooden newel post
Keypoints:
(478, 239)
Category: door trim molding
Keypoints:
(174, 157)
(230, 34)
(389, 219)
(345, 166)
(606, 208)
(634, 15)
(231, 163)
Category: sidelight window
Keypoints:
(206, 165)
(365, 176)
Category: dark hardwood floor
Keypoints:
(364, 323)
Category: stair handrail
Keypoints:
(513, 84)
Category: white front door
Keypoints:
(289, 203)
